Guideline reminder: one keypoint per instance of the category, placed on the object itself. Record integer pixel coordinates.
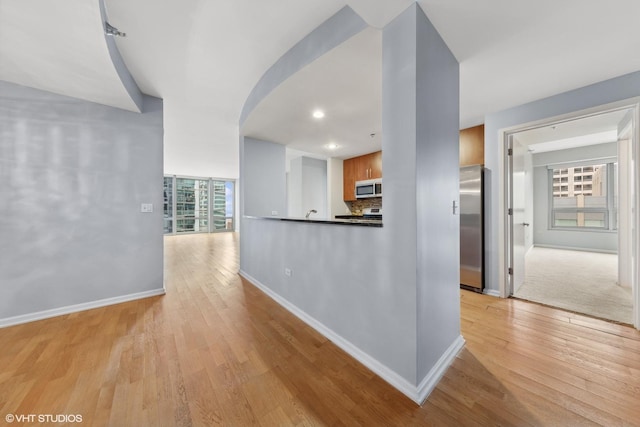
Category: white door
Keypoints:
(624, 181)
(518, 213)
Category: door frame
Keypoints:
(511, 214)
(504, 223)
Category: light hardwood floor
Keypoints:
(216, 351)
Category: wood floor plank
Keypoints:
(215, 350)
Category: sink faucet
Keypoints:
(310, 212)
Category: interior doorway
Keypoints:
(570, 222)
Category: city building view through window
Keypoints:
(584, 196)
(198, 205)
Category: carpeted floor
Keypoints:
(584, 282)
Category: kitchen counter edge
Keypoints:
(356, 222)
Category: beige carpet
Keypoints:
(584, 282)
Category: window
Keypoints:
(587, 204)
(192, 205)
(223, 205)
(168, 204)
(198, 205)
(579, 219)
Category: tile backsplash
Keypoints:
(357, 207)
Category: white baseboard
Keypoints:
(491, 292)
(430, 381)
(31, 317)
(573, 248)
(417, 394)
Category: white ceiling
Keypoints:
(513, 52)
(346, 84)
(204, 56)
(59, 47)
(591, 130)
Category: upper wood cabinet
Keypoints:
(360, 168)
(375, 164)
(349, 173)
(472, 146)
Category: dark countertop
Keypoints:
(351, 220)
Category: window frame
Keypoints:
(610, 223)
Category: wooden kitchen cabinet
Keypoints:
(368, 166)
(472, 146)
(349, 173)
(374, 163)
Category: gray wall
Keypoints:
(368, 284)
(73, 177)
(437, 178)
(544, 236)
(420, 157)
(608, 91)
(264, 179)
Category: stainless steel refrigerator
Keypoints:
(471, 228)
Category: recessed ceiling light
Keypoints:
(332, 146)
(318, 114)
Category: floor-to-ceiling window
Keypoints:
(198, 205)
(168, 204)
(223, 195)
(192, 205)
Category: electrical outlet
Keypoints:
(146, 207)
(274, 213)
(288, 272)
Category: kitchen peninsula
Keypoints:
(337, 221)
(388, 296)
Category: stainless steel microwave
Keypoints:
(369, 188)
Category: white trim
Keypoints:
(572, 248)
(492, 293)
(635, 216)
(417, 394)
(503, 253)
(430, 381)
(39, 315)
